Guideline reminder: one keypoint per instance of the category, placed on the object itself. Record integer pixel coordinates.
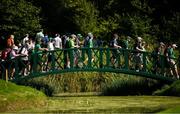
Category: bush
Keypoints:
(172, 90)
(105, 83)
(132, 86)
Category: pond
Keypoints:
(107, 104)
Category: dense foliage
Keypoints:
(18, 17)
(151, 19)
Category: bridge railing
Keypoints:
(86, 59)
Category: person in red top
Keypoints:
(10, 41)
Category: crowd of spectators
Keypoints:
(44, 42)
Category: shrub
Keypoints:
(169, 90)
(132, 86)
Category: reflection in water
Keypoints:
(113, 104)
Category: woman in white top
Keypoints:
(25, 59)
(50, 49)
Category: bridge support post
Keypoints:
(6, 73)
(144, 61)
(16, 61)
(126, 58)
(119, 51)
(35, 58)
(53, 61)
(108, 58)
(89, 58)
(162, 60)
(101, 58)
(71, 54)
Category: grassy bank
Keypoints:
(106, 83)
(175, 109)
(14, 97)
(169, 90)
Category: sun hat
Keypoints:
(73, 36)
(175, 45)
(161, 43)
(90, 34)
(139, 38)
(15, 47)
(12, 36)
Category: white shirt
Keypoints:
(50, 46)
(25, 39)
(58, 43)
(25, 53)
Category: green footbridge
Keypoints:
(144, 64)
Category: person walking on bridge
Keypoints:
(39, 35)
(171, 58)
(73, 56)
(114, 45)
(138, 56)
(57, 42)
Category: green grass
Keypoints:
(108, 104)
(14, 97)
(176, 110)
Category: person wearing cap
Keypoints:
(39, 35)
(73, 53)
(88, 43)
(12, 55)
(80, 37)
(88, 40)
(171, 57)
(157, 56)
(38, 53)
(138, 56)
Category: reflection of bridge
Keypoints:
(84, 59)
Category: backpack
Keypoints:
(21, 49)
(6, 54)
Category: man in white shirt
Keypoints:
(57, 42)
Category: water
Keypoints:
(110, 104)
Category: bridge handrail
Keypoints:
(99, 59)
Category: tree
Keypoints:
(83, 14)
(18, 17)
